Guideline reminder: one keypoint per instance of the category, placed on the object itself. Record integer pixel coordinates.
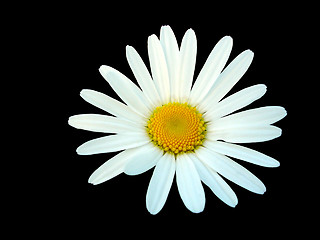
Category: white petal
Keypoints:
(126, 90)
(143, 76)
(245, 135)
(111, 168)
(145, 159)
(231, 170)
(188, 53)
(172, 54)
(160, 183)
(242, 153)
(159, 68)
(227, 79)
(253, 117)
(217, 185)
(110, 105)
(189, 184)
(103, 123)
(236, 101)
(211, 69)
(113, 143)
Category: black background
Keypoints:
(77, 40)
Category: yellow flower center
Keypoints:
(176, 127)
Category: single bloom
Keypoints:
(181, 129)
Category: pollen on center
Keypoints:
(176, 127)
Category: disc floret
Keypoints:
(176, 127)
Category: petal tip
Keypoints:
(197, 210)
(80, 151)
(262, 190)
(152, 209)
(249, 53)
(90, 181)
(262, 89)
(190, 33)
(163, 27)
(84, 92)
(276, 163)
(70, 121)
(190, 30)
(94, 180)
(152, 37)
(129, 48)
(227, 38)
(103, 69)
(233, 205)
(284, 111)
(152, 212)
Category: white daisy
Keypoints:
(181, 129)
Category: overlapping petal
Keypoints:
(110, 105)
(113, 167)
(211, 70)
(143, 76)
(231, 170)
(251, 118)
(227, 79)
(188, 53)
(235, 102)
(113, 143)
(159, 68)
(217, 185)
(242, 153)
(143, 160)
(245, 134)
(171, 51)
(103, 123)
(126, 90)
(160, 183)
(189, 184)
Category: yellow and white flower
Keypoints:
(181, 129)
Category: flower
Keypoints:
(180, 129)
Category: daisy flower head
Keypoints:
(181, 129)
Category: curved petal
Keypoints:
(113, 143)
(245, 135)
(251, 118)
(103, 123)
(242, 153)
(111, 168)
(211, 69)
(236, 101)
(110, 105)
(188, 53)
(160, 183)
(227, 79)
(217, 185)
(126, 90)
(172, 54)
(189, 184)
(144, 159)
(231, 170)
(143, 76)
(159, 68)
